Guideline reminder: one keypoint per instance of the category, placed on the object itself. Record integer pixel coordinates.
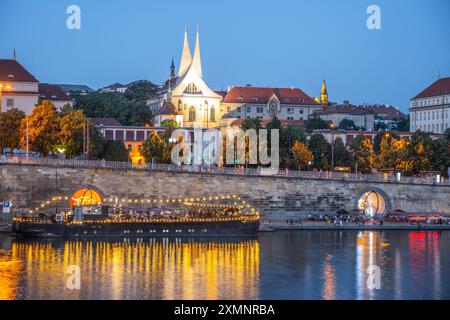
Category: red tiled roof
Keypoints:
(11, 70)
(106, 122)
(264, 122)
(166, 109)
(52, 92)
(262, 95)
(438, 88)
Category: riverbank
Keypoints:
(274, 226)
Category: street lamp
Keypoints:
(7, 87)
(332, 146)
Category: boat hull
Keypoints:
(141, 230)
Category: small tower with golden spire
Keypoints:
(324, 95)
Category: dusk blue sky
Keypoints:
(265, 43)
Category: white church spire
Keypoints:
(186, 58)
(197, 61)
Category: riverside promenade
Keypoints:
(310, 225)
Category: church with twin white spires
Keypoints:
(188, 100)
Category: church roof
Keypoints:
(166, 109)
(437, 88)
(262, 95)
(11, 70)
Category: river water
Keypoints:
(277, 265)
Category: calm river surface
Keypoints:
(279, 265)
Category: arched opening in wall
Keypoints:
(85, 197)
(371, 204)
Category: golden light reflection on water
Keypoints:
(147, 269)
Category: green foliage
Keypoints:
(141, 90)
(43, 129)
(169, 123)
(9, 124)
(362, 151)
(440, 155)
(342, 156)
(315, 123)
(379, 136)
(301, 156)
(115, 151)
(251, 123)
(97, 145)
(288, 135)
(321, 151)
(71, 132)
(113, 105)
(156, 149)
(403, 124)
(347, 124)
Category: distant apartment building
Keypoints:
(115, 87)
(385, 116)
(430, 108)
(362, 117)
(18, 87)
(71, 89)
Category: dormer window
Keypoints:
(286, 100)
(10, 76)
(241, 99)
(255, 99)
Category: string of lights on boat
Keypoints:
(190, 201)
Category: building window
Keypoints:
(238, 109)
(249, 109)
(10, 103)
(259, 109)
(130, 147)
(290, 110)
(228, 109)
(192, 89)
(192, 115)
(212, 114)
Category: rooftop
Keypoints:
(437, 88)
(11, 70)
(52, 92)
(262, 95)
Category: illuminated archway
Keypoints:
(85, 197)
(372, 204)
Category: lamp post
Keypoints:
(7, 87)
(332, 146)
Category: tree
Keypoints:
(9, 128)
(362, 150)
(251, 123)
(315, 123)
(98, 146)
(141, 90)
(320, 150)
(43, 128)
(113, 105)
(169, 123)
(342, 156)
(71, 132)
(419, 150)
(379, 136)
(288, 135)
(115, 151)
(393, 155)
(347, 124)
(156, 149)
(440, 155)
(301, 155)
(403, 124)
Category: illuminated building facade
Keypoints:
(188, 100)
(430, 109)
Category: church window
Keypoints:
(192, 89)
(192, 115)
(212, 114)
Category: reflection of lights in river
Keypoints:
(147, 269)
(367, 243)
